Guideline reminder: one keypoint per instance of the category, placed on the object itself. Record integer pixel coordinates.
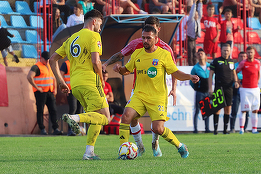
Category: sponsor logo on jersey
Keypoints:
(155, 62)
(152, 72)
(209, 24)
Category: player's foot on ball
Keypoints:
(73, 124)
(141, 150)
(95, 157)
(156, 149)
(183, 150)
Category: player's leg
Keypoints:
(11, 51)
(227, 111)
(155, 144)
(136, 133)
(215, 120)
(255, 107)
(235, 105)
(244, 99)
(166, 133)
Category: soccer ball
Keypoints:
(128, 150)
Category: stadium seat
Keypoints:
(253, 23)
(17, 38)
(253, 38)
(218, 54)
(235, 53)
(18, 22)
(5, 8)
(201, 39)
(29, 51)
(3, 22)
(32, 36)
(36, 21)
(136, 12)
(23, 8)
(238, 22)
(36, 5)
(147, 7)
(238, 39)
(257, 56)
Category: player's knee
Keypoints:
(158, 129)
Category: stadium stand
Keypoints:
(23, 8)
(238, 39)
(20, 24)
(253, 23)
(29, 51)
(4, 23)
(5, 8)
(253, 38)
(17, 38)
(36, 21)
(35, 6)
(32, 36)
(235, 53)
(201, 39)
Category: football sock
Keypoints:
(242, 121)
(89, 150)
(92, 134)
(254, 120)
(94, 118)
(226, 120)
(170, 137)
(137, 134)
(216, 117)
(124, 133)
(155, 137)
(75, 118)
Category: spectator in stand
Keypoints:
(71, 4)
(87, 5)
(225, 76)
(201, 69)
(193, 31)
(163, 5)
(212, 32)
(257, 9)
(227, 28)
(128, 7)
(249, 92)
(115, 110)
(58, 24)
(236, 97)
(75, 106)
(44, 86)
(105, 7)
(5, 45)
(63, 8)
(77, 17)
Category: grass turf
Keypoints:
(232, 153)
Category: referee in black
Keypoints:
(225, 75)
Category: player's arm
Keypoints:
(54, 86)
(110, 97)
(183, 76)
(210, 91)
(30, 78)
(236, 79)
(116, 57)
(97, 65)
(55, 68)
(121, 69)
(173, 90)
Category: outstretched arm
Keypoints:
(116, 57)
(183, 76)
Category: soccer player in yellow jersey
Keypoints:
(150, 91)
(83, 50)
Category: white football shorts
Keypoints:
(249, 98)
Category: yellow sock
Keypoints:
(170, 137)
(124, 133)
(92, 134)
(94, 118)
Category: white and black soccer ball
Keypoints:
(128, 150)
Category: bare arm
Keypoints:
(55, 68)
(116, 57)
(173, 90)
(211, 73)
(30, 78)
(183, 76)
(110, 97)
(96, 62)
(235, 79)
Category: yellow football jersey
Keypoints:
(78, 49)
(151, 69)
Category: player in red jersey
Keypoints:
(128, 50)
(212, 32)
(249, 92)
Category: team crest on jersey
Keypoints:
(155, 62)
(99, 44)
(231, 66)
(256, 66)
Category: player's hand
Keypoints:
(194, 78)
(64, 88)
(116, 68)
(210, 92)
(54, 92)
(104, 67)
(236, 85)
(220, 9)
(173, 93)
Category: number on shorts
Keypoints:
(75, 49)
(160, 108)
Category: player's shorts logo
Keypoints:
(155, 62)
(152, 72)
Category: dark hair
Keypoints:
(250, 48)
(200, 49)
(93, 14)
(210, 6)
(152, 20)
(45, 55)
(78, 6)
(148, 28)
(105, 72)
(242, 52)
(225, 45)
(228, 10)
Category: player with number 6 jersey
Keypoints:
(83, 50)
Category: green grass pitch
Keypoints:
(232, 153)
